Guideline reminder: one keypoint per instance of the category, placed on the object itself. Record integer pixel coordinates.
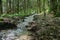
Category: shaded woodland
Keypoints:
(39, 19)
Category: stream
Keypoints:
(13, 34)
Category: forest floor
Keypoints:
(43, 28)
(38, 28)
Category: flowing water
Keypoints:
(12, 34)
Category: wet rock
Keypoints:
(32, 26)
(36, 17)
(0, 37)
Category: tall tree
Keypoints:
(25, 6)
(39, 5)
(44, 8)
(58, 8)
(8, 4)
(17, 6)
(13, 6)
(1, 6)
(53, 6)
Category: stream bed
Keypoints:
(13, 34)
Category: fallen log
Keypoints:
(7, 25)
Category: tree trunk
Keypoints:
(1, 7)
(53, 6)
(44, 9)
(39, 6)
(25, 6)
(17, 6)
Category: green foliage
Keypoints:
(57, 15)
(20, 14)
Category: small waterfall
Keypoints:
(12, 34)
